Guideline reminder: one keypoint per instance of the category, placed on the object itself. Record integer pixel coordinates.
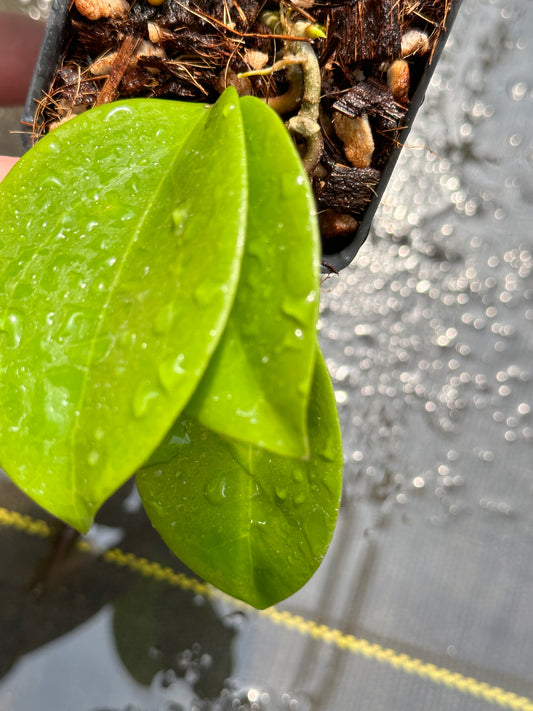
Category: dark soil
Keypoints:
(370, 60)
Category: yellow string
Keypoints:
(328, 635)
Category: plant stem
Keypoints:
(303, 74)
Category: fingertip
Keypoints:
(6, 163)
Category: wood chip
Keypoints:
(121, 63)
(348, 189)
(367, 30)
(372, 98)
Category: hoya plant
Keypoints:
(159, 290)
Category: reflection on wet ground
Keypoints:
(428, 337)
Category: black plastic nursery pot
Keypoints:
(348, 192)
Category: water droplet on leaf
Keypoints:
(93, 458)
(144, 397)
(102, 347)
(298, 476)
(11, 328)
(215, 490)
(329, 450)
(179, 218)
(164, 319)
(51, 181)
(226, 111)
(293, 309)
(313, 528)
(171, 370)
(117, 113)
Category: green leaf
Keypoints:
(256, 388)
(254, 524)
(121, 237)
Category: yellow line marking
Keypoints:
(375, 652)
(35, 527)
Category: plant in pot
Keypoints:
(161, 264)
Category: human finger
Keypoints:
(6, 163)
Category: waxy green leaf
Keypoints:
(256, 388)
(253, 523)
(121, 237)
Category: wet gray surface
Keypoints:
(429, 340)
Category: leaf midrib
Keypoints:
(112, 288)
